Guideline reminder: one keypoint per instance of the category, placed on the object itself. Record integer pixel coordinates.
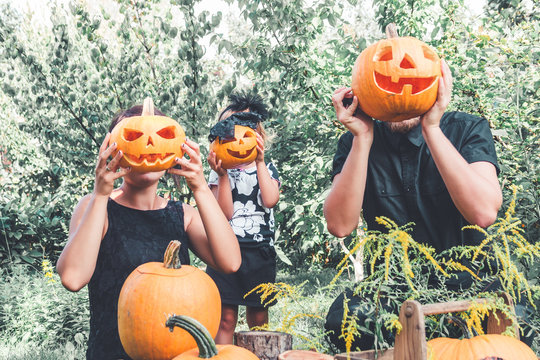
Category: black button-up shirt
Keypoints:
(404, 184)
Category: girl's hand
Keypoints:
(191, 169)
(215, 164)
(354, 119)
(106, 174)
(260, 148)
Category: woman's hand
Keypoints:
(106, 174)
(354, 119)
(260, 148)
(215, 164)
(191, 169)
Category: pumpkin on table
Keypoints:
(149, 142)
(155, 290)
(478, 347)
(206, 347)
(396, 78)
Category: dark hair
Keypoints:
(132, 111)
(243, 100)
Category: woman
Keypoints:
(112, 231)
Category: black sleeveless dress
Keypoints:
(134, 237)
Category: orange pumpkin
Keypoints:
(149, 142)
(396, 79)
(206, 347)
(238, 151)
(155, 290)
(491, 346)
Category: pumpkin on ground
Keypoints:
(396, 78)
(491, 346)
(149, 142)
(155, 290)
(235, 152)
(206, 347)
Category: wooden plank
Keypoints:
(304, 355)
(411, 341)
(367, 355)
(498, 322)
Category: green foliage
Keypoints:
(67, 83)
(412, 271)
(35, 310)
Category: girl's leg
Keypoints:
(229, 317)
(256, 316)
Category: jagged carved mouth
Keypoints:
(241, 154)
(149, 158)
(411, 85)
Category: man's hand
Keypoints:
(432, 117)
(358, 123)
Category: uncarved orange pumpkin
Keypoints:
(479, 347)
(396, 79)
(149, 142)
(206, 347)
(153, 292)
(238, 151)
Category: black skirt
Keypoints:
(258, 267)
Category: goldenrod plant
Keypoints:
(401, 268)
(294, 307)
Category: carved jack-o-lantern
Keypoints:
(240, 150)
(396, 79)
(149, 142)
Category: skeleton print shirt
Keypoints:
(252, 222)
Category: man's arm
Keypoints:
(474, 188)
(343, 204)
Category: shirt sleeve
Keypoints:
(213, 178)
(343, 148)
(273, 172)
(479, 145)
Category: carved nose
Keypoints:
(407, 63)
(150, 142)
(241, 142)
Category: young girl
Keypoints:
(246, 196)
(112, 231)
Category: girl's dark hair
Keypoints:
(243, 100)
(133, 111)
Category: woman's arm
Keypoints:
(210, 234)
(222, 191)
(88, 223)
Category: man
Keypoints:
(438, 170)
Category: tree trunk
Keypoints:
(267, 345)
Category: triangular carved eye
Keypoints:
(429, 54)
(167, 132)
(132, 135)
(248, 134)
(384, 54)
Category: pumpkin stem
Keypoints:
(171, 260)
(205, 343)
(148, 107)
(391, 31)
(463, 326)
